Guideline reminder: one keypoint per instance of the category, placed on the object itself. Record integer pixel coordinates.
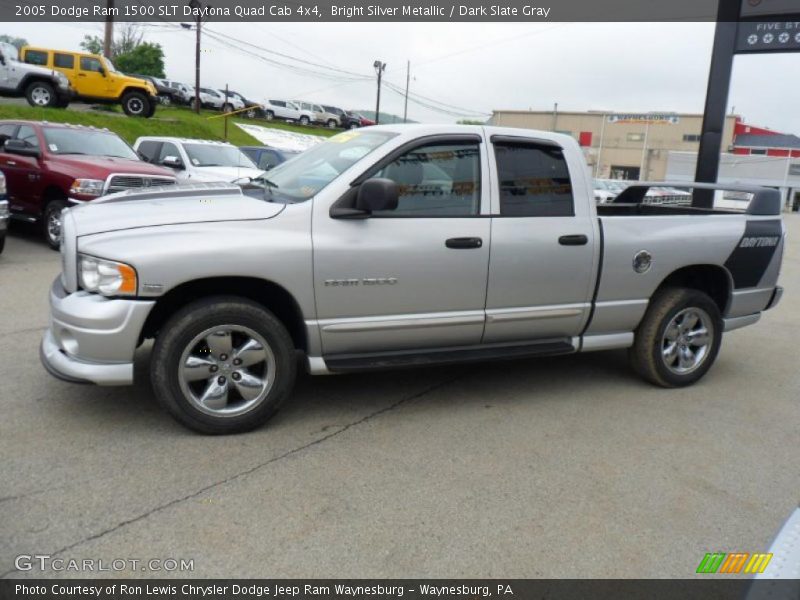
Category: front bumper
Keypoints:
(776, 297)
(92, 338)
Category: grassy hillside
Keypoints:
(180, 122)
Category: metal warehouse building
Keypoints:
(622, 145)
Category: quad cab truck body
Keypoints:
(400, 246)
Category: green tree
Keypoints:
(144, 59)
(92, 44)
(128, 37)
(14, 41)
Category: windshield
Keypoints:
(111, 66)
(306, 174)
(9, 51)
(61, 140)
(217, 155)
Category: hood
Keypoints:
(117, 214)
(92, 166)
(226, 174)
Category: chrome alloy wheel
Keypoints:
(226, 371)
(687, 340)
(54, 226)
(41, 96)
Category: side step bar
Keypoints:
(354, 363)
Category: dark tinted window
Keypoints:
(65, 61)
(91, 64)
(36, 57)
(442, 180)
(27, 134)
(277, 102)
(534, 181)
(149, 150)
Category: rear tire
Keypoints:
(41, 94)
(269, 116)
(332, 124)
(136, 104)
(195, 373)
(51, 223)
(304, 120)
(679, 338)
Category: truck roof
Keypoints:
(180, 140)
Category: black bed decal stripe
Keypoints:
(753, 253)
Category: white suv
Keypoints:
(198, 160)
(283, 109)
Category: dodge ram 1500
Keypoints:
(400, 246)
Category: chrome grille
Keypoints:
(120, 183)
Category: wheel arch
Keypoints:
(268, 294)
(714, 280)
(133, 88)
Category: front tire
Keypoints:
(270, 115)
(41, 94)
(332, 124)
(136, 104)
(51, 223)
(223, 365)
(679, 338)
(304, 120)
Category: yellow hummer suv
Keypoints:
(94, 78)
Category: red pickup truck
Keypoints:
(48, 166)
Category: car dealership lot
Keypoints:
(556, 467)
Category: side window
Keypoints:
(267, 160)
(149, 149)
(36, 57)
(441, 180)
(27, 135)
(91, 64)
(65, 61)
(6, 132)
(168, 149)
(534, 180)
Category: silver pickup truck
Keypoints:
(400, 246)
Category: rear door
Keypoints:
(414, 277)
(543, 244)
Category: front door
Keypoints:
(413, 277)
(23, 174)
(542, 265)
(91, 79)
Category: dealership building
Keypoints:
(622, 145)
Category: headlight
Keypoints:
(106, 276)
(87, 187)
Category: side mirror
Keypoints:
(22, 148)
(377, 194)
(173, 162)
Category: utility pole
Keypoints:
(197, 67)
(108, 38)
(380, 67)
(408, 81)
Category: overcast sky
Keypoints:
(476, 66)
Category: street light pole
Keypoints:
(380, 67)
(408, 82)
(197, 68)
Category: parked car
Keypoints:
(39, 85)
(362, 120)
(209, 99)
(49, 166)
(165, 94)
(346, 120)
(237, 102)
(267, 157)
(3, 212)
(94, 78)
(605, 190)
(370, 254)
(282, 109)
(316, 114)
(198, 160)
(183, 93)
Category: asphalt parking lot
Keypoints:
(562, 467)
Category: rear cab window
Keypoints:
(64, 61)
(533, 179)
